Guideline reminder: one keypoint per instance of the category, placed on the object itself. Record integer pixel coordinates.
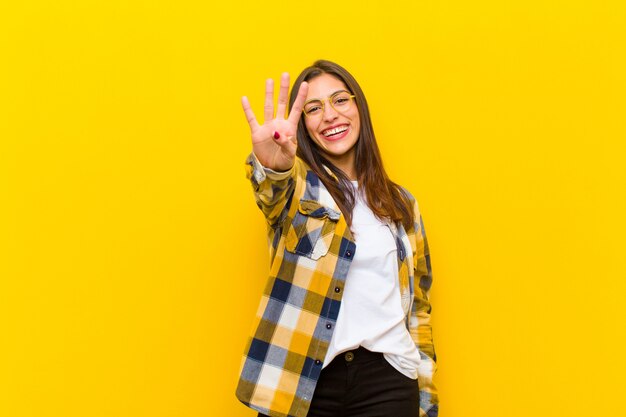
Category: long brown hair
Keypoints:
(385, 198)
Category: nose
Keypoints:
(330, 113)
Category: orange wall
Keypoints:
(132, 253)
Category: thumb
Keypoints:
(283, 140)
(293, 139)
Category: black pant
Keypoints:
(360, 383)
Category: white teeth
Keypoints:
(335, 130)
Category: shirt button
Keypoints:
(348, 254)
(349, 356)
(318, 362)
(337, 289)
(328, 325)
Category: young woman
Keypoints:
(343, 327)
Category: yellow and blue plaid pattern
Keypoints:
(311, 249)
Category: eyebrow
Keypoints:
(319, 99)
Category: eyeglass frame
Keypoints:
(322, 101)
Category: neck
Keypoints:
(345, 163)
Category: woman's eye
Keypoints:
(313, 109)
(341, 100)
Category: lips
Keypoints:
(335, 132)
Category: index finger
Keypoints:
(269, 100)
(298, 104)
(249, 114)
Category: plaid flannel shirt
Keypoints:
(311, 248)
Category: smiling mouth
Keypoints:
(329, 133)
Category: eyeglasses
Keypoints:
(341, 101)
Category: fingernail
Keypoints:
(276, 135)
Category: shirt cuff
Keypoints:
(260, 172)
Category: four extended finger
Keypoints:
(298, 104)
(254, 125)
(269, 100)
(282, 95)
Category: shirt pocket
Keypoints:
(311, 231)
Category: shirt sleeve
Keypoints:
(272, 189)
(421, 330)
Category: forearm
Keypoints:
(271, 189)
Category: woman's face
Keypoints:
(335, 132)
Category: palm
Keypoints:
(277, 154)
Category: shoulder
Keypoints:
(416, 226)
(406, 192)
(409, 196)
(301, 166)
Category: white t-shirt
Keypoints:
(371, 314)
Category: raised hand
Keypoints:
(274, 142)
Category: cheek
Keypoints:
(353, 116)
(311, 128)
(356, 121)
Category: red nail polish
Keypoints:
(276, 135)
